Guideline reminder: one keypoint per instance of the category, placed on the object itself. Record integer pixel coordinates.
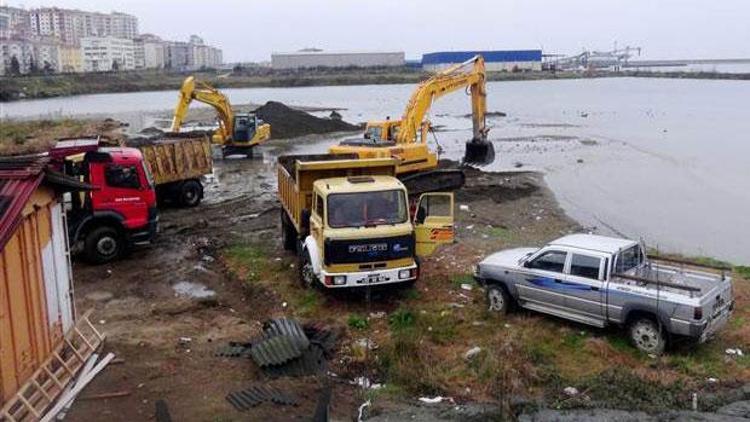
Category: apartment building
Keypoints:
(104, 54)
(71, 25)
(14, 22)
(150, 52)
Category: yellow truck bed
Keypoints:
(297, 173)
(176, 159)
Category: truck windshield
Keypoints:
(366, 209)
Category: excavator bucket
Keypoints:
(479, 152)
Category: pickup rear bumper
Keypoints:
(701, 330)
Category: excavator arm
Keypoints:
(202, 92)
(471, 75)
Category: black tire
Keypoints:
(103, 244)
(647, 336)
(498, 300)
(190, 194)
(288, 233)
(305, 273)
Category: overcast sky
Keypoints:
(250, 30)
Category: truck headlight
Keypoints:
(338, 280)
(404, 274)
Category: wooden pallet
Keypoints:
(46, 384)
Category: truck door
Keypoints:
(433, 221)
(543, 283)
(120, 192)
(585, 279)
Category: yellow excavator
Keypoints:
(238, 132)
(406, 139)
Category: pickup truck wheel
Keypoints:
(102, 245)
(647, 336)
(306, 271)
(191, 193)
(497, 299)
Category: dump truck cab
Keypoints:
(121, 209)
(356, 228)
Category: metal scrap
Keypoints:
(256, 394)
(276, 350)
(286, 327)
(311, 362)
(234, 350)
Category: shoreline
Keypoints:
(23, 88)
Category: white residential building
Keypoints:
(14, 22)
(71, 25)
(22, 50)
(149, 52)
(104, 54)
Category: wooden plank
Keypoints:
(28, 405)
(85, 340)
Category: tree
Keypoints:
(32, 67)
(15, 66)
(115, 65)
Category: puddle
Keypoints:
(193, 290)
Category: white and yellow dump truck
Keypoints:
(350, 221)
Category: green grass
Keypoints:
(308, 303)
(252, 258)
(460, 279)
(743, 271)
(357, 322)
(401, 319)
(439, 327)
(499, 232)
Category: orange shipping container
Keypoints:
(36, 306)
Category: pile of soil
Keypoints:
(289, 123)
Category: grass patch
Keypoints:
(308, 303)
(402, 319)
(743, 271)
(31, 137)
(460, 279)
(622, 389)
(357, 322)
(438, 327)
(252, 258)
(499, 232)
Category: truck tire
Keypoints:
(288, 233)
(103, 244)
(306, 273)
(647, 336)
(498, 299)
(190, 194)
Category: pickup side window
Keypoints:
(550, 261)
(585, 266)
(122, 177)
(629, 259)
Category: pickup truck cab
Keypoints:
(599, 281)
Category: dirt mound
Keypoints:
(289, 123)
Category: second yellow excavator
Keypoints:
(237, 132)
(406, 139)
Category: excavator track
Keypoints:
(441, 180)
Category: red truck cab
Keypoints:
(120, 211)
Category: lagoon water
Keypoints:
(667, 160)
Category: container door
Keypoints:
(433, 221)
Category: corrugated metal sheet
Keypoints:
(19, 177)
(489, 56)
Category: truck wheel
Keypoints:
(190, 194)
(288, 233)
(102, 245)
(498, 299)
(647, 336)
(306, 271)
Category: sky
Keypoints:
(250, 30)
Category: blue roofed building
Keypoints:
(496, 61)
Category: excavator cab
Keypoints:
(244, 127)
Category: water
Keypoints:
(662, 159)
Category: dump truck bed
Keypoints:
(179, 158)
(297, 173)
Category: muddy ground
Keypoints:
(135, 302)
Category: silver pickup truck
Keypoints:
(599, 280)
